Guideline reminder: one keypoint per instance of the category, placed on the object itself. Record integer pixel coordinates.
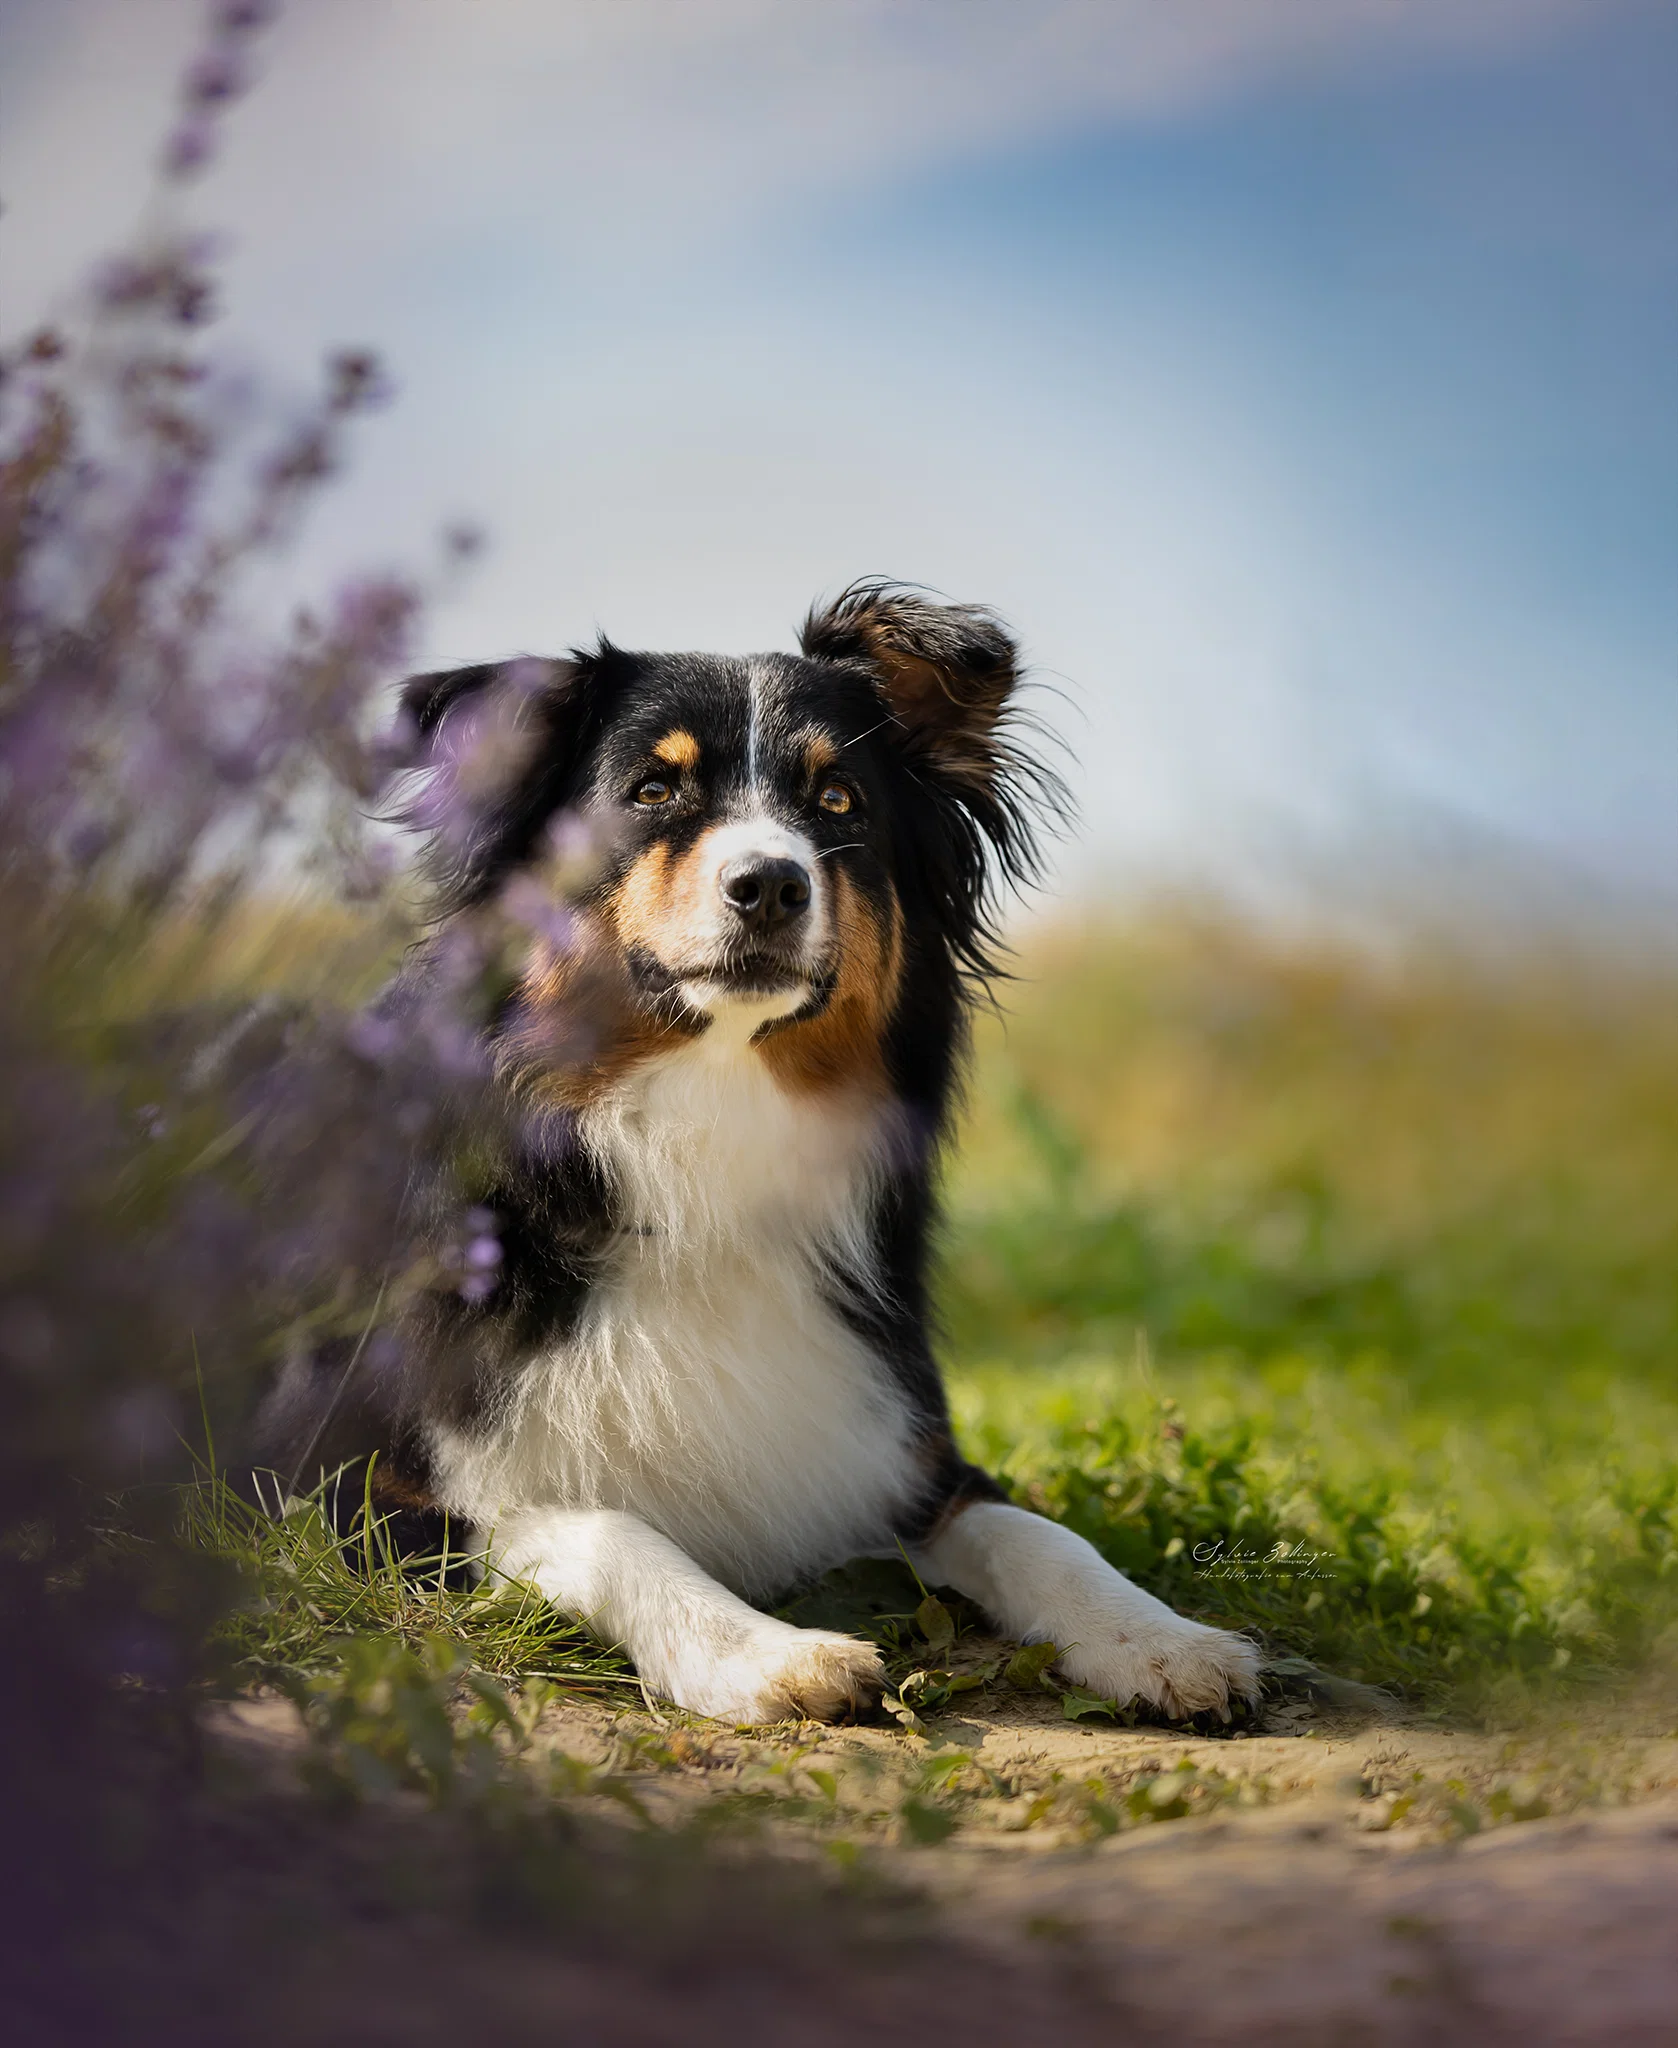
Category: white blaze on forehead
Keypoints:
(753, 709)
(766, 724)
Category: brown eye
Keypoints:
(654, 792)
(835, 797)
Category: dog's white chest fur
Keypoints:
(709, 1387)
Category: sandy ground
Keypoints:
(1334, 1877)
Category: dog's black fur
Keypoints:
(917, 699)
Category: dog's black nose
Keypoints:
(764, 892)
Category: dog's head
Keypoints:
(775, 838)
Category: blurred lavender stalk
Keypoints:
(188, 1185)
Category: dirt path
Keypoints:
(1332, 1877)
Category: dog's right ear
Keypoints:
(426, 700)
(491, 755)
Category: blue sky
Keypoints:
(1303, 386)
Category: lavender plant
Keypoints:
(190, 1180)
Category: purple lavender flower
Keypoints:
(200, 1173)
(214, 77)
(189, 148)
(529, 905)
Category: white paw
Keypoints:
(1181, 1667)
(785, 1674)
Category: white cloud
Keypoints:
(451, 178)
(388, 127)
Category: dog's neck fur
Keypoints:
(704, 1147)
(711, 1386)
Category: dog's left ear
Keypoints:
(945, 671)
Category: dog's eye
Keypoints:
(653, 792)
(835, 797)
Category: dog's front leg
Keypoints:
(692, 1640)
(1041, 1583)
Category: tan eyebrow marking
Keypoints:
(678, 749)
(819, 752)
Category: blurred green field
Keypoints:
(1258, 1243)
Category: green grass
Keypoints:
(1267, 1247)
(1282, 1245)
(309, 1601)
(1465, 1564)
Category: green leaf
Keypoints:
(939, 1769)
(1100, 1817)
(901, 1711)
(490, 1702)
(1028, 1664)
(614, 1788)
(926, 1690)
(1076, 1704)
(928, 1824)
(933, 1620)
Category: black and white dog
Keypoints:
(704, 1372)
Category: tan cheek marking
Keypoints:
(844, 1046)
(664, 906)
(639, 908)
(678, 749)
(580, 1026)
(688, 921)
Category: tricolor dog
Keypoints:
(702, 1371)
